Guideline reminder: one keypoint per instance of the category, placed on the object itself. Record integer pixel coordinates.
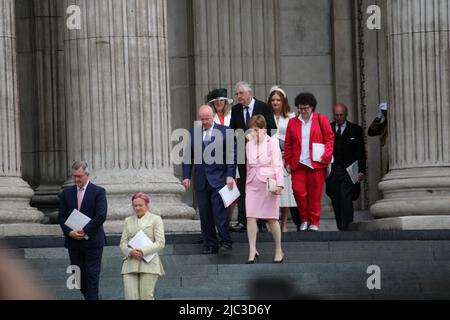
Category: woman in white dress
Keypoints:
(281, 112)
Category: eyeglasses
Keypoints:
(303, 108)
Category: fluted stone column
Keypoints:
(15, 194)
(416, 191)
(117, 103)
(49, 84)
(233, 41)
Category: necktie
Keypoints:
(207, 138)
(247, 115)
(339, 130)
(80, 197)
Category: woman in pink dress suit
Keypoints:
(264, 161)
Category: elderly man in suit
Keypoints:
(348, 148)
(85, 246)
(241, 113)
(212, 171)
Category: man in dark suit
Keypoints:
(85, 246)
(213, 149)
(241, 113)
(348, 148)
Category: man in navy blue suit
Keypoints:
(85, 246)
(213, 149)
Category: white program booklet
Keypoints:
(353, 171)
(229, 196)
(318, 150)
(77, 221)
(139, 241)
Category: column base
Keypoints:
(414, 192)
(405, 223)
(171, 226)
(165, 192)
(46, 200)
(15, 196)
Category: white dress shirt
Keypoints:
(82, 192)
(208, 132)
(305, 157)
(343, 126)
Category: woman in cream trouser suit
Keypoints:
(139, 277)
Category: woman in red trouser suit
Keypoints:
(308, 176)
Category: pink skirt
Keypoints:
(259, 203)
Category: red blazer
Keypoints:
(293, 142)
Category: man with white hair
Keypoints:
(212, 172)
(247, 107)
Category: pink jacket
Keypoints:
(264, 161)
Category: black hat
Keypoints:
(218, 94)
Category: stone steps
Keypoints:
(313, 269)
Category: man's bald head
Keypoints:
(206, 116)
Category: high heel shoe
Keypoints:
(255, 258)
(279, 261)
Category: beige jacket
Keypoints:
(153, 227)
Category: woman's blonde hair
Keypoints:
(226, 109)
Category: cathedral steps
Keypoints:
(323, 265)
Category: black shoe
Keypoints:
(279, 261)
(238, 227)
(255, 259)
(225, 247)
(210, 250)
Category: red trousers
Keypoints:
(307, 185)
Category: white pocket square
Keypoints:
(352, 138)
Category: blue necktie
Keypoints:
(339, 130)
(207, 139)
(247, 115)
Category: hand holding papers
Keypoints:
(318, 151)
(139, 241)
(77, 221)
(229, 196)
(353, 171)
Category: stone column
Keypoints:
(233, 41)
(15, 194)
(49, 100)
(117, 103)
(417, 189)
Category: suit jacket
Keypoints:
(215, 173)
(237, 116)
(293, 141)
(94, 205)
(153, 227)
(377, 128)
(349, 147)
(264, 161)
